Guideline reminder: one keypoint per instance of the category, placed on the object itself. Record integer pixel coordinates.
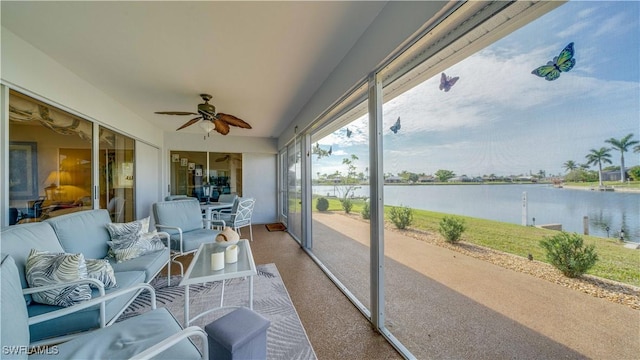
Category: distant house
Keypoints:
(393, 179)
(611, 175)
(425, 179)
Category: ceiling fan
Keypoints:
(211, 120)
(223, 158)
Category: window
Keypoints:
(190, 170)
(117, 178)
(49, 160)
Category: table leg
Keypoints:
(222, 294)
(186, 306)
(251, 292)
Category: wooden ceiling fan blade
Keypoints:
(232, 120)
(221, 126)
(175, 113)
(189, 123)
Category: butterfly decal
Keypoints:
(349, 132)
(330, 150)
(561, 63)
(446, 82)
(396, 126)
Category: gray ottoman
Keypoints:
(239, 335)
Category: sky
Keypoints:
(500, 119)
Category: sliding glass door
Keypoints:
(50, 161)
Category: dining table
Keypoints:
(210, 207)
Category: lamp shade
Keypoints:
(206, 125)
(57, 177)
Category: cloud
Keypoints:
(499, 118)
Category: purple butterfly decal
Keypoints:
(349, 132)
(446, 82)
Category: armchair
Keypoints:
(183, 221)
(155, 333)
(240, 215)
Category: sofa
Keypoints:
(82, 232)
(153, 334)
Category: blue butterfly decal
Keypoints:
(446, 82)
(561, 63)
(396, 126)
(330, 150)
(349, 132)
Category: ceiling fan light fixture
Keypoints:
(207, 126)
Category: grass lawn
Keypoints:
(614, 261)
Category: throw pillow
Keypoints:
(45, 268)
(102, 270)
(118, 231)
(131, 247)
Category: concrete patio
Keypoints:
(443, 304)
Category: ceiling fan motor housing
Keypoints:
(207, 109)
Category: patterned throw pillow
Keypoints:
(45, 268)
(101, 269)
(128, 242)
(123, 231)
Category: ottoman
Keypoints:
(239, 335)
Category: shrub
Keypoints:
(568, 254)
(347, 205)
(366, 211)
(322, 204)
(451, 228)
(401, 216)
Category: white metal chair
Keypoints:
(240, 215)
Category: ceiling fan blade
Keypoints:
(221, 126)
(232, 120)
(221, 159)
(189, 123)
(175, 113)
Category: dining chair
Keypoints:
(240, 215)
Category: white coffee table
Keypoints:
(200, 272)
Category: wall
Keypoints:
(260, 181)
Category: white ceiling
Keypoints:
(261, 61)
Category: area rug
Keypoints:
(286, 337)
(276, 227)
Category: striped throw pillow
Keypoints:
(45, 268)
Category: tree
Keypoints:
(636, 149)
(444, 175)
(623, 146)
(348, 183)
(597, 157)
(570, 165)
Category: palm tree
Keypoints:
(623, 146)
(636, 149)
(570, 165)
(598, 157)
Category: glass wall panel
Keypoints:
(282, 183)
(497, 143)
(340, 208)
(190, 170)
(50, 165)
(117, 178)
(294, 188)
